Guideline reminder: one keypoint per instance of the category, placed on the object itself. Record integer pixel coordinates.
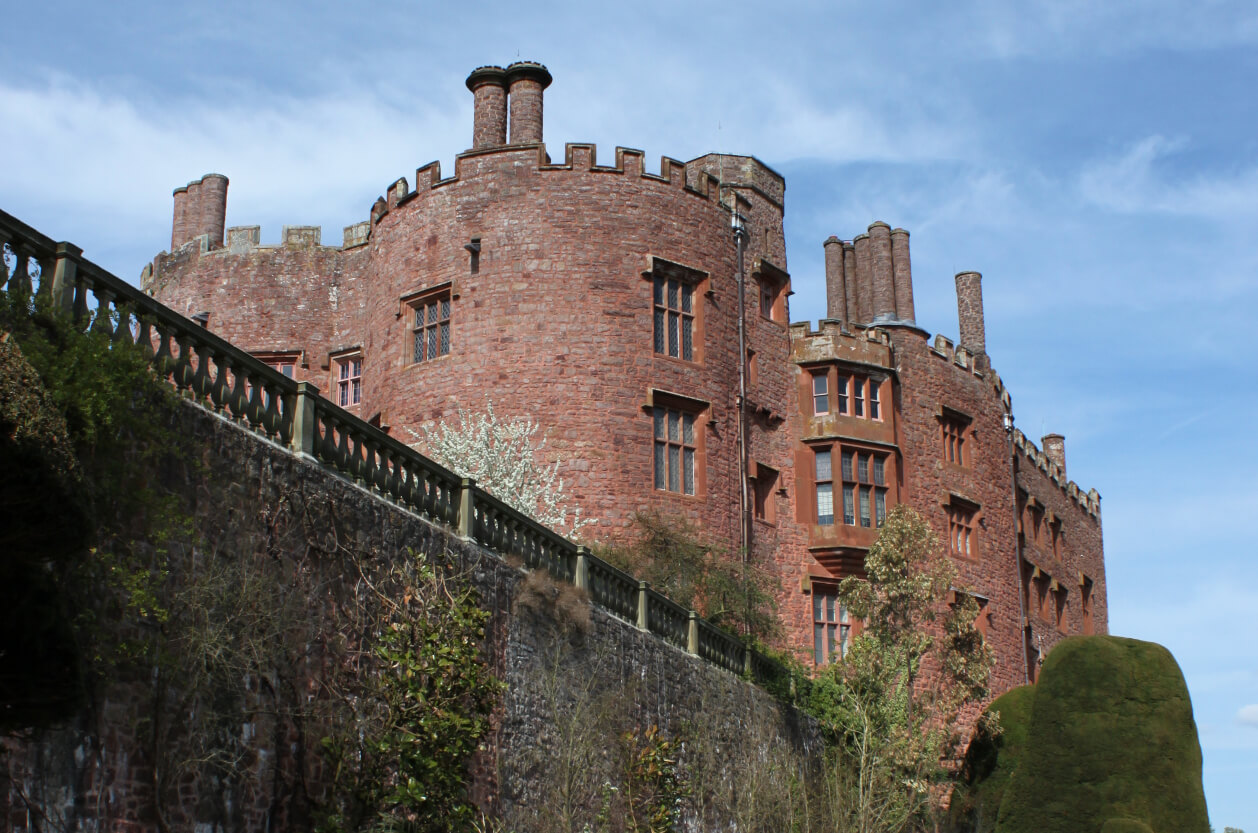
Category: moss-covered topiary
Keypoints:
(1125, 826)
(990, 762)
(1112, 741)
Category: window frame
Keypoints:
(963, 516)
(823, 480)
(862, 479)
(347, 388)
(954, 428)
(696, 281)
(820, 401)
(830, 619)
(1087, 624)
(764, 489)
(424, 299)
(697, 410)
(773, 285)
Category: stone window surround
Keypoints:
(700, 289)
(345, 392)
(700, 410)
(410, 304)
(881, 495)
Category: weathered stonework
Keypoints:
(251, 498)
(546, 267)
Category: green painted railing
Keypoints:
(228, 381)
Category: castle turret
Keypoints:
(526, 80)
(902, 275)
(489, 122)
(836, 281)
(883, 281)
(970, 312)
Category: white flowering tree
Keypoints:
(502, 456)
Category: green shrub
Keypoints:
(998, 746)
(1112, 742)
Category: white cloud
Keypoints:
(1141, 180)
(100, 156)
(1248, 715)
(1057, 28)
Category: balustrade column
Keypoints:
(692, 634)
(581, 573)
(644, 621)
(304, 419)
(467, 507)
(64, 272)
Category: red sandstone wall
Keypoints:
(556, 323)
(1059, 531)
(297, 297)
(930, 378)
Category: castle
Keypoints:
(643, 319)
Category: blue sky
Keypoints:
(1097, 162)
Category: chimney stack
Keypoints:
(970, 312)
(864, 280)
(903, 276)
(489, 121)
(1054, 446)
(836, 281)
(213, 212)
(526, 81)
(179, 227)
(200, 208)
(883, 280)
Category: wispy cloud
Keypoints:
(83, 149)
(1059, 28)
(1140, 180)
(1248, 715)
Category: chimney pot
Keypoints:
(902, 272)
(526, 81)
(883, 280)
(836, 281)
(970, 312)
(489, 120)
(1054, 446)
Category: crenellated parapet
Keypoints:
(579, 157)
(1089, 501)
(832, 340)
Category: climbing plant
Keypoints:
(417, 705)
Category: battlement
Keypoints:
(978, 365)
(1089, 501)
(241, 239)
(579, 157)
(834, 328)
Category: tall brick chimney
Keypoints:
(179, 226)
(903, 275)
(970, 312)
(526, 81)
(849, 280)
(883, 280)
(1054, 446)
(489, 122)
(200, 208)
(864, 280)
(213, 213)
(836, 282)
